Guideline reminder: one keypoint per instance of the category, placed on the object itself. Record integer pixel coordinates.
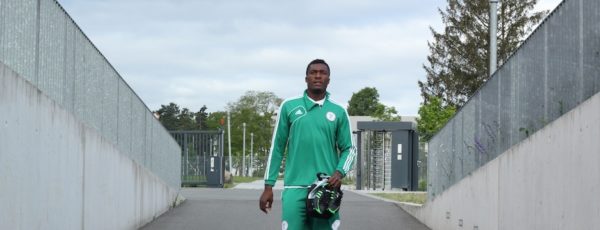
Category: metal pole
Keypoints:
(359, 163)
(229, 139)
(383, 160)
(251, 153)
(222, 162)
(244, 151)
(493, 32)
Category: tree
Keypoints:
(259, 101)
(201, 118)
(458, 60)
(256, 109)
(433, 115)
(216, 120)
(173, 118)
(384, 113)
(167, 115)
(366, 103)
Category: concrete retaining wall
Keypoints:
(56, 173)
(550, 180)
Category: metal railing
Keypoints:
(197, 148)
(555, 69)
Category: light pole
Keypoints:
(229, 139)
(493, 31)
(251, 153)
(244, 150)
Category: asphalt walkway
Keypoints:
(237, 208)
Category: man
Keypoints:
(318, 137)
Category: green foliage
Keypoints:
(384, 113)
(459, 57)
(254, 108)
(174, 118)
(257, 110)
(422, 185)
(366, 103)
(216, 120)
(201, 118)
(363, 102)
(433, 115)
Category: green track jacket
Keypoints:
(318, 139)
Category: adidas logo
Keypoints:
(299, 112)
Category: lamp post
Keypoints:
(251, 153)
(244, 150)
(229, 139)
(493, 31)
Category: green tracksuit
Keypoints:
(318, 139)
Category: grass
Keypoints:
(193, 178)
(417, 198)
(239, 179)
(193, 181)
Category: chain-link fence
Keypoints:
(39, 41)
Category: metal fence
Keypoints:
(254, 165)
(556, 68)
(197, 149)
(40, 42)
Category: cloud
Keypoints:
(198, 53)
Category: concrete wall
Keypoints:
(550, 180)
(41, 43)
(553, 71)
(57, 173)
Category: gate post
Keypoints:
(358, 160)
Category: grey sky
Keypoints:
(209, 53)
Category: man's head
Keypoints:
(317, 76)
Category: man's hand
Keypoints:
(335, 181)
(266, 199)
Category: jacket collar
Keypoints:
(309, 103)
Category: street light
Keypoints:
(493, 31)
(229, 139)
(251, 153)
(244, 150)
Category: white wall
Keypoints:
(56, 173)
(550, 180)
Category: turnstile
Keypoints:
(387, 156)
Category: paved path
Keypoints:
(238, 209)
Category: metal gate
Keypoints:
(201, 157)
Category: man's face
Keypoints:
(317, 78)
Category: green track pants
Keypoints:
(294, 217)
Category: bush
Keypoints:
(422, 185)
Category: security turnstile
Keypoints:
(387, 156)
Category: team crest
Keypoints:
(330, 116)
